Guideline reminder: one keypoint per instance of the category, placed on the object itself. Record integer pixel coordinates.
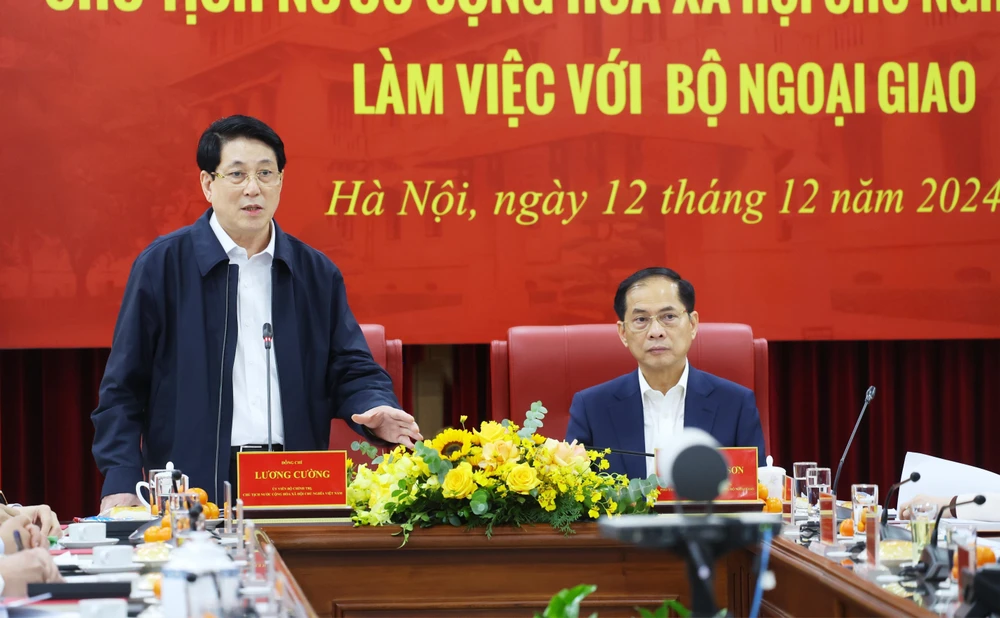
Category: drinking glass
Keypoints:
(817, 481)
(922, 526)
(964, 536)
(864, 498)
(180, 515)
(958, 533)
(799, 470)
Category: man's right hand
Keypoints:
(119, 500)
(31, 566)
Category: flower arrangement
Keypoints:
(497, 475)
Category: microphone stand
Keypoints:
(268, 337)
(700, 540)
(888, 532)
(869, 395)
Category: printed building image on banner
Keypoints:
(872, 217)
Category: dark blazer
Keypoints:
(167, 392)
(610, 415)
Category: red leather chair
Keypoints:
(388, 354)
(552, 363)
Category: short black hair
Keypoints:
(684, 287)
(227, 129)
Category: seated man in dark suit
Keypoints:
(643, 410)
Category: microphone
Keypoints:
(694, 466)
(868, 397)
(914, 477)
(268, 338)
(980, 500)
(618, 451)
(937, 560)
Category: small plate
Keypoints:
(255, 591)
(68, 544)
(93, 569)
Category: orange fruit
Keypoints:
(772, 505)
(984, 555)
(157, 586)
(762, 491)
(151, 535)
(211, 511)
(954, 572)
(847, 527)
(154, 509)
(201, 493)
(862, 525)
(165, 534)
(165, 522)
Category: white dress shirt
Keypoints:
(253, 310)
(662, 415)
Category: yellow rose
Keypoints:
(491, 431)
(568, 455)
(458, 483)
(496, 454)
(522, 478)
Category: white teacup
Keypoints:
(113, 556)
(87, 531)
(103, 608)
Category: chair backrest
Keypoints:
(552, 363)
(388, 354)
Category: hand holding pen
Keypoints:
(18, 533)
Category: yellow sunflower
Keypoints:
(452, 444)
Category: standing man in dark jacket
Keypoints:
(186, 379)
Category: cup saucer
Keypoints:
(70, 544)
(121, 568)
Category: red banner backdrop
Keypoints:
(104, 102)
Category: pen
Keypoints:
(17, 540)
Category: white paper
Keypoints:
(941, 477)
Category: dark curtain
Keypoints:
(46, 397)
(936, 397)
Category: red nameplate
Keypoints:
(742, 463)
(292, 479)
(827, 519)
(873, 536)
(967, 566)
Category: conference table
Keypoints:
(364, 572)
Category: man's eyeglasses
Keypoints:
(264, 177)
(667, 319)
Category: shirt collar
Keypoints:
(645, 388)
(229, 245)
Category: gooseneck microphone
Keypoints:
(980, 500)
(935, 562)
(268, 338)
(869, 395)
(914, 477)
(618, 451)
